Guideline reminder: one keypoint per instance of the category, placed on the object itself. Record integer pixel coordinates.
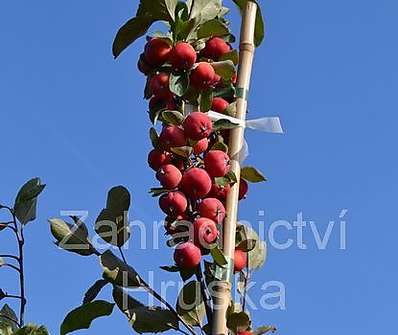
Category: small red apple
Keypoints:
(213, 209)
(159, 85)
(157, 51)
(172, 136)
(203, 76)
(143, 66)
(201, 146)
(217, 163)
(169, 176)
(240, 260)
(173, 203)
(187, 256)
(215, 48)
(219, 105)
(195, 183)
(220, 192)
(197, 126)
(157, 158)
(246, 332)
(243, 189)
(183, 56)
(205, 232)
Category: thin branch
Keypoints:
(122, 254)
(11, 296)
(21, 243)
(159, 297)
(12, 267)
(205, 294)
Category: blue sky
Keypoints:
(75, 117)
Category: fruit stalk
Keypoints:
(222, 298)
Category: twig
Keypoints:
(205, 294)
(12, 267)
(160, 298)
(11, 296)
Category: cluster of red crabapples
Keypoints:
(192, 196)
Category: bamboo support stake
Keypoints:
(222, 290)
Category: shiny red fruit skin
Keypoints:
(205, 232)
(219, 192)
(201, 146)
(173, 203)
(243, 189)
(219, 105)
(240, 260)
(217, 163)
(195, 183)
(197, 126)
(215, 48)
(159, 85)
(246, 332)
(172, 136)
(213, 209)
(187, 256)
(169, 176)
(203, 76)
(157, 158)
(157, 52)
(183, 56)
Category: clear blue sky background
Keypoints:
(75, 117)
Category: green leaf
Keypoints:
(172, 117)
(225, 69)
(184, 151)
(117, 272)
(179, 83)
(26, 200)
(94, 290)
(113, 228)
(186, 273)
(218, 256)
(247, 245)
(212, 28)
(233, 56)
(153, 135)
(252, 175)
(156, 191)
(118, 200)
(231, 109)
(32, 330)
(144, 319)
(129, 32)
(220, 146)
(263, 330)
(81, 317)
(224, 124)
(112, 223)
(8, 317)
(259, 31)
(71, 237)
(205, 10)
(205, 100)
(190, 305)
(157, 9)
(257, 256)
(238, 322)
(171, 7)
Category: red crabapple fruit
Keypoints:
(169, 176)
(187, 256)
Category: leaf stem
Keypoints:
(12, 296)
(12, 267)
(10, 256)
